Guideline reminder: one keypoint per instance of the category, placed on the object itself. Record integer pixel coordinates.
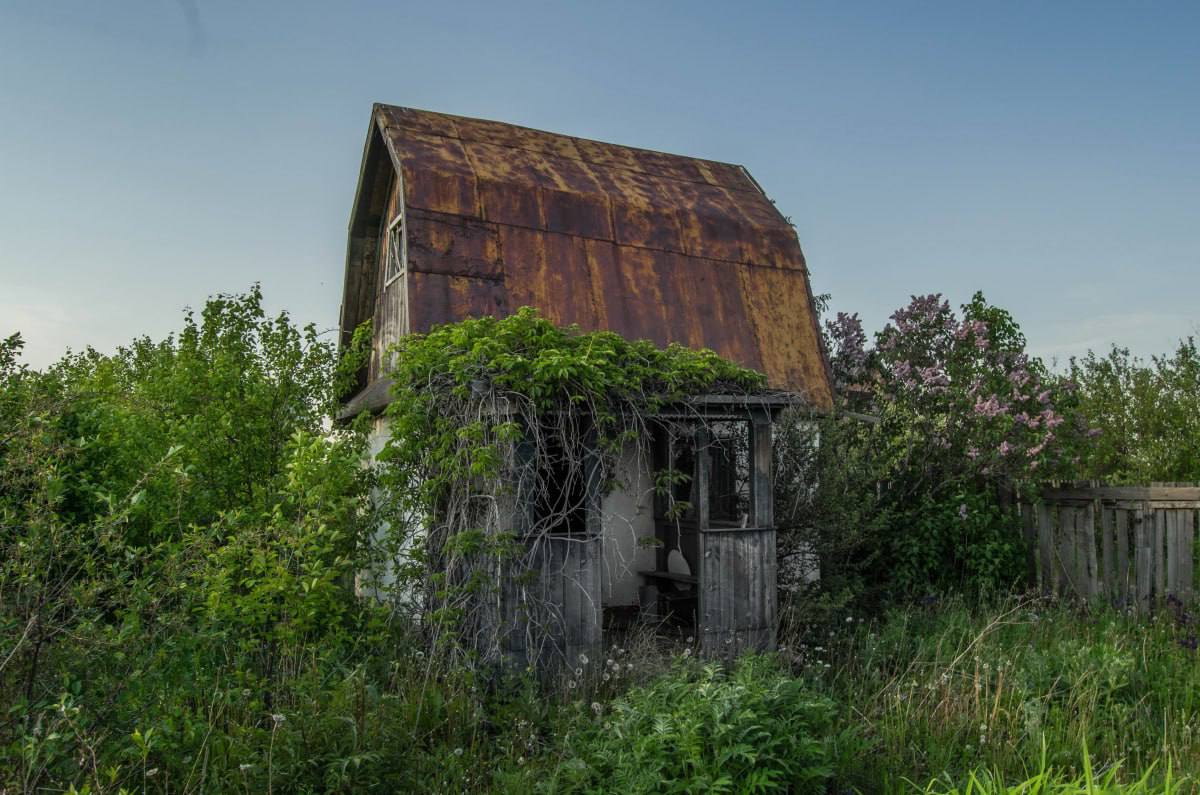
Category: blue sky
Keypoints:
(153, 152)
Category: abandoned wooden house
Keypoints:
(458, 217)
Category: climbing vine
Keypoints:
(499, 430)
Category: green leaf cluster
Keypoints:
(702, 728)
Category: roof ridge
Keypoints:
(567, 136)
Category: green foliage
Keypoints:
(538, 370)
(941, 422)
(703, 729)
(178, 536)
(1143, 415)
(1017, 688)
(964, 542)
(181, 528)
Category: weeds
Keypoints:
(1017, 690)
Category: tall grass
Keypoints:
(943, 691)
(1045, 782)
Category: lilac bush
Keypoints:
(962, 393)
(960, 417)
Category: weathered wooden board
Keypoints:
(1123, 542)
(1112, 547)
(1046, 547)
(737, 607)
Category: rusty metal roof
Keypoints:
(646, 244)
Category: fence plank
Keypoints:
(1185, 533)
(1121, 539)
(1160, 562)
(1045, 549)
(1088, 539)
(1108, 526)
(1065, 536)
(1083, 586)
(1171, 526)
(1145, 562)
(1030, 533)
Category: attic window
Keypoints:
(397, 256)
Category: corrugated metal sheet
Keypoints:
(650, 245)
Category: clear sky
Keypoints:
(153, 152)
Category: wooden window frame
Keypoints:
(396, 266)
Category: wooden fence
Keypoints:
(1130, 545)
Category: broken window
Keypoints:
(397, 256)
(730, 499)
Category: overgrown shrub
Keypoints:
(179, 530)
(938, 424)
(700, 728)
(1143, 414)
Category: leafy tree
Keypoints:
(179, 530)
(1145, 415)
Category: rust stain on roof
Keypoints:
(646, 244)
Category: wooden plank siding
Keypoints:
(737, 607)
(1132, 546)
(551, 608)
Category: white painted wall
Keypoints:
(378, 582)
(627, 516)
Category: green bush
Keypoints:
(940, 422)
(1143, 414)
(753, 729)
(963, 541)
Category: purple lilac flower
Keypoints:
(990, 407)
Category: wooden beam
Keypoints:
(1188, 493)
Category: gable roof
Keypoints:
(646, 244)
